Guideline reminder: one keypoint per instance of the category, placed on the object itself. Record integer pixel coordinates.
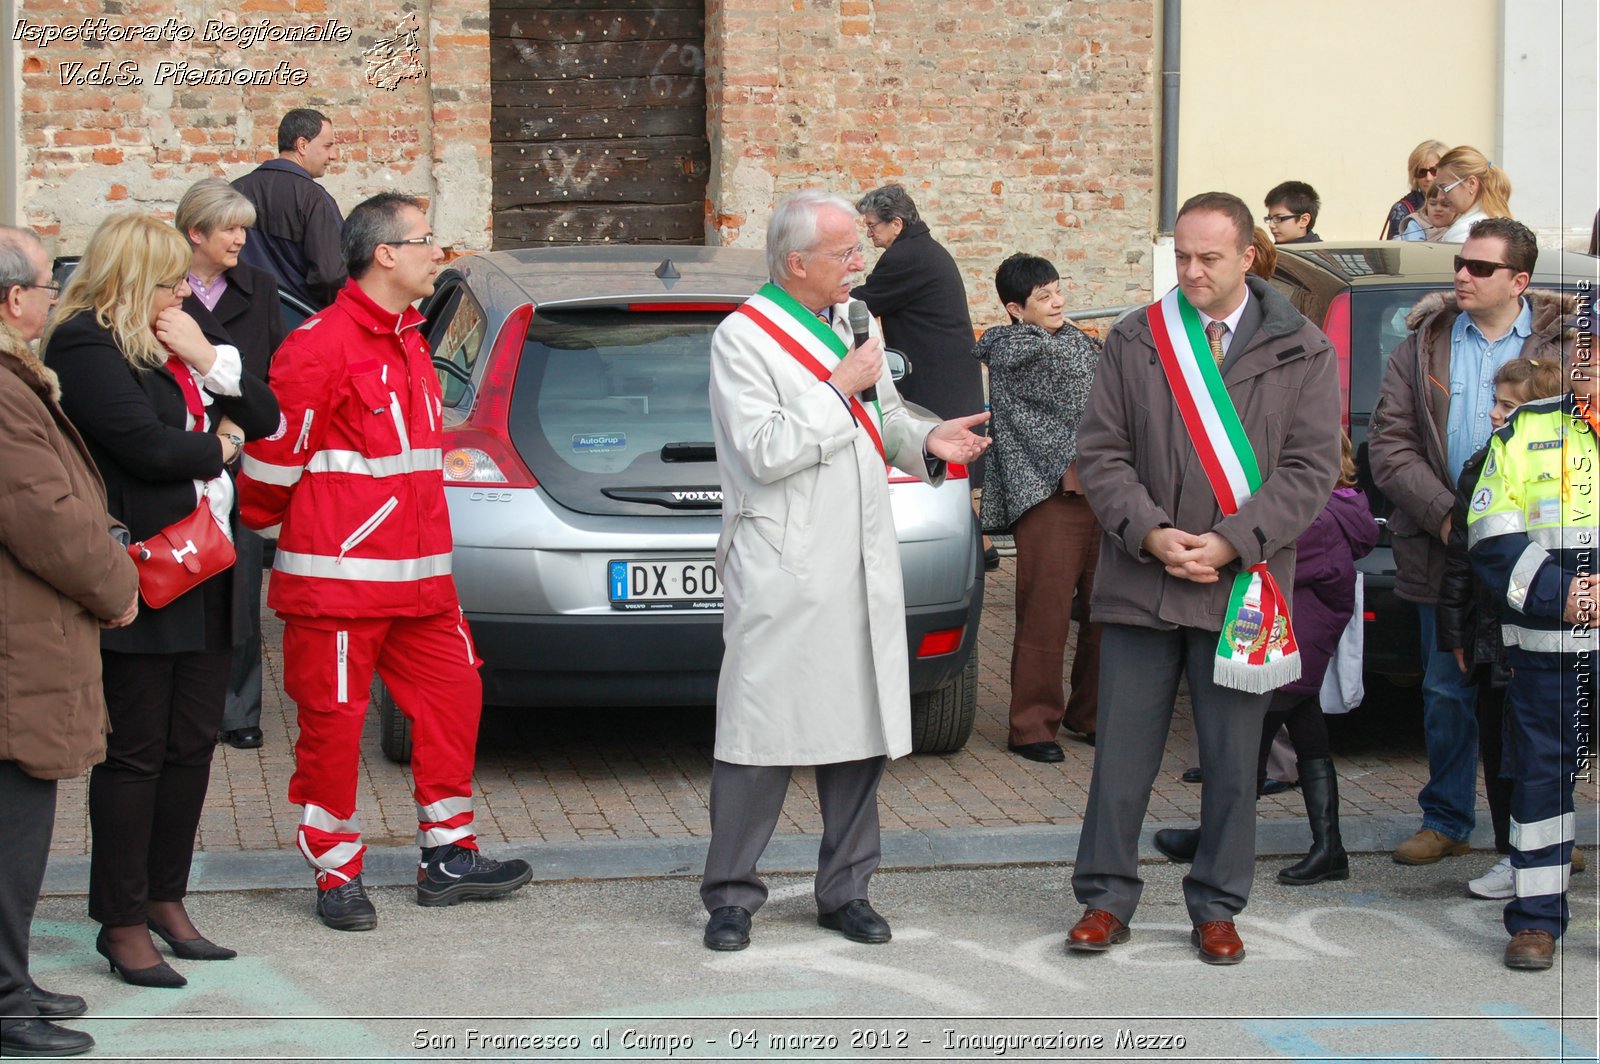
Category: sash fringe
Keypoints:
(1257, 679)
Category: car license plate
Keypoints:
(664, 584)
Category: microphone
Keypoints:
(858, 325)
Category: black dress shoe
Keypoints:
(41, 1038)
(857, 921)
(198, 948)
(53, 1006)
(1049, 753)
(1270, 786)
(243, 738)
(1192, 775)
(728, 929)
(1179, 844)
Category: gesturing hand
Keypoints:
(954, 440)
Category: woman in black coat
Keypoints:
(916, 290)
(163, 410)
(235, 304)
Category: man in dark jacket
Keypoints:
(296, 233)
(57, 560)
(1173, 553)
(1432, 413)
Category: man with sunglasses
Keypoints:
(361, 578)
(1432, 414)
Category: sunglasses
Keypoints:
(1481, 267)
(1424, 171)
(1445, 190)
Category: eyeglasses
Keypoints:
(1424, 171)
(1280, 218)
(873, 225)
(1445, 190)
(1482, 267)
(173, 287)
(52, 287)
(426, 238)
(843, 257)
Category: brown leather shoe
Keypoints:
(1218, 942)
(1095, 931)
(1577, 861)
(1531, 950)
(1428, 846)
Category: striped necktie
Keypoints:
(1214, 333)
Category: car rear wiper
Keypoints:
(689, 452)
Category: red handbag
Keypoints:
(181, 556)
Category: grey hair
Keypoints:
(794, 226)
(15, 266)
(888, 203)
(372, 222)
(211, 204)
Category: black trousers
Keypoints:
(145, 798)
(1491, 749)
(1308, 731)
(30, 816)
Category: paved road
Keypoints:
(1393, 964)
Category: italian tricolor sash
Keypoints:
(1256, 651)
(812, 344)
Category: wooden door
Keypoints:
(598, 121)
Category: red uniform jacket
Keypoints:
(352, 480)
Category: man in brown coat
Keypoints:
(1168, 561)
(62, 578)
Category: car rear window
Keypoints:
(610, 409)
(1377, 325)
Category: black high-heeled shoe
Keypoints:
(198, 948)
(160, 975)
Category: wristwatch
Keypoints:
(235, 439)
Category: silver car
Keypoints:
(583, 491)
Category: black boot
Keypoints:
(1327, 859)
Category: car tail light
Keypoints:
(942, 641)
(1336, 324)
(480, 451)
(1368, 615)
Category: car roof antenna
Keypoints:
(668, 273)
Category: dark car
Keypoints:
(1360, 294)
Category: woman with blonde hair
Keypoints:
(238, 304)
(163, 410)
(1421, 166)
(1475, 187)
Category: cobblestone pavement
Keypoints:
(567, 776)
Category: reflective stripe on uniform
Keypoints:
(1535, 882)
(333, 858)
(1543, 833)
(1564, 537)
(1561, 640)
(1522, 573)
(444, 836)
(268, 473)
(424, 460)
(376, 570)
(443, 809)
(314, 816)
(1504, 523)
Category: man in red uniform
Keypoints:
(352, 485)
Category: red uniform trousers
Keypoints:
(431, 670)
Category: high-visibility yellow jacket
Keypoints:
(1532, 526)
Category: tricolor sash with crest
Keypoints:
(1256, 651)
(812, 344)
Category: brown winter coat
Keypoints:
(1140, 470)
(1406, 447)
(60, 572)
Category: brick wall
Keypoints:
(1015, 126)
(90, 149)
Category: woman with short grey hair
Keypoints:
(234, 303)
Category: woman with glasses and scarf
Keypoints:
(164, 410)
(1421, 166)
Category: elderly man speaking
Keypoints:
(814, 671)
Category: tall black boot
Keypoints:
(1327, 859)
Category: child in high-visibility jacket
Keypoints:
(1534, 538)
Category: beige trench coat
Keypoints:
(814, 669)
